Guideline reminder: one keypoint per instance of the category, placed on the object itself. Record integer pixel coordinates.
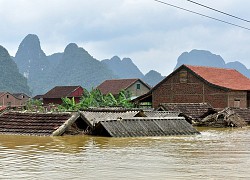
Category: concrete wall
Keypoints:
(138, 92)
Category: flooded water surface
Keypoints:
(215, 154)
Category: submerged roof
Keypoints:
(93, 117)
(161, 113)
(227, 78)
(42, 124)
(114, 86)
(192, 110)
(61, 91)
(137, 127)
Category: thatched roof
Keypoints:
(136, 127)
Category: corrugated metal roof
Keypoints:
(93, 117)
(161, 113)
(137, 127)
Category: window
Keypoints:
(7, 96)
(138, 86)
(183, 76)
(237, 103)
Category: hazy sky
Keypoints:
(153, 35)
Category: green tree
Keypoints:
(95, 98)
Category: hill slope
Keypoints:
(124, 68)
(78, 67)
(11, 80)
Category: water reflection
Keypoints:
(215, 154)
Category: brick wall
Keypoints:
(240, 96)
(9, 100)
(195, 90)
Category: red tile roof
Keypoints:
(61, 91)
(227, 78)
(2, 93)
(114, 86)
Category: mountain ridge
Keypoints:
(206, 58)
(11, 80)
(75, 66)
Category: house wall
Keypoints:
(138, 92)
(237, 99)
(9, 100)
(188, 88)
(77, 93)
(248, 99)
(47, 101)
(23, 98)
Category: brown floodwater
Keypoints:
(214, 154)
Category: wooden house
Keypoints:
(135, 86)
(219, 87)
(55, 95)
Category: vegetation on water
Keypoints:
(95, 98)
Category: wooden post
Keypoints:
(65, 125)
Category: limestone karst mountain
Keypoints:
(206, 58)
(11, 80)
(124, 68)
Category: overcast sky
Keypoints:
(152, 34)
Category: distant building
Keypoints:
(38, 97)
(9, 100)
(135, 86)
(55, 95)
(219, 87)
(23, 97)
